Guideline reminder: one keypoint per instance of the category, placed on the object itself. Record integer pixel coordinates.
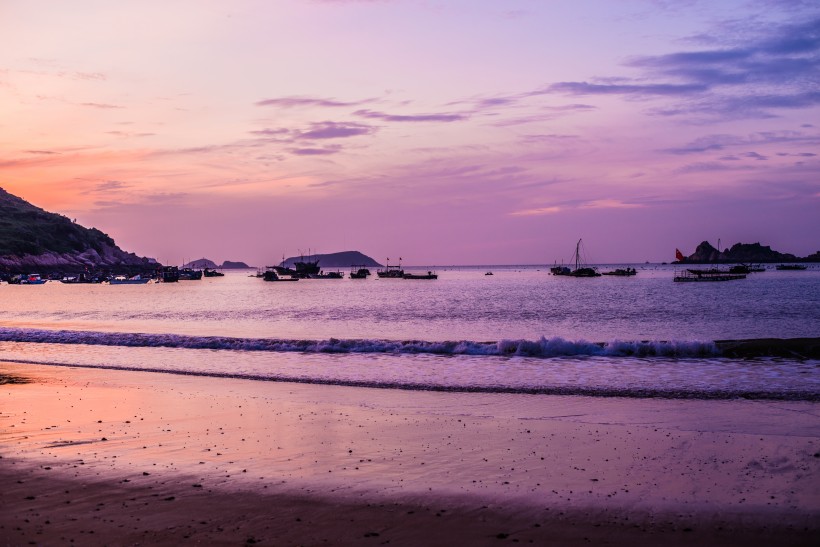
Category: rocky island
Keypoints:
(343, 259)
(32, 239)
(742, 253)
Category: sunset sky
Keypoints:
(445, 132)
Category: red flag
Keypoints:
(679, 255)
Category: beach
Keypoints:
(93, 456)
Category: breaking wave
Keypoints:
(542, 348)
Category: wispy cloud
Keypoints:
(323, 151)
(440, 117)
(717, 142)
(301, 101)
(747, 78)
(101, 105)
(537, 211)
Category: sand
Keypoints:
(104, 457)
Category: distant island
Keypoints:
(32, 239)
(202, 263)
(741, 253)
(343, 259)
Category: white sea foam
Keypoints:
(542, 348)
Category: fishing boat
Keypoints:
(391, 272)
(622, 272)
(791, 267)
(560, 270)
(272, 275)
(327, 275)
(210, 272)
(359, 272)
(302, 268)
(190, 274)
(170, 274)
(581, 270)
(746, 268)
(428, 275)
(31, 279)
(123, 280)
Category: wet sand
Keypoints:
(120, 458)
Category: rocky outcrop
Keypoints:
(34, 240)
(705, 253)
(200, 264)
(228, 265)
(343, 259)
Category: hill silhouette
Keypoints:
(343, 259)
(32, 238)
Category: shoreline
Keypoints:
(470, 467)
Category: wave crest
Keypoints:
(542, 348)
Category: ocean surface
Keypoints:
(520, 330)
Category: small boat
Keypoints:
(622, 272)
(489, 273)
(123, 280)
(32, 279)
(391, 272)
(170, 274)
(327, 275)
(302, 268)
(210, 272)
(190, 274)
(791, 267)
(271, 275)
(359, 272)
(746, 268)
(706, 276)
(428, 275)
(580, 269)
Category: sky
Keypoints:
(444, 132)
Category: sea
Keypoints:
(519, 330)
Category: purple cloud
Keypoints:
(586, 88)
(336, 130)
(324, 151)
(292, 102)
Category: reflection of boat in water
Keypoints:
(391, 272)
(272, 275)
(123, 280)
(707, 276)
(581, 270)
(359, 272)
(791, 267)
(209, 272)
(428, 275)
(622, 272)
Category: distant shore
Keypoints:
(101, 456)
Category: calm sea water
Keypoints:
(519, 330)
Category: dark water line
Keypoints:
(630, 393)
